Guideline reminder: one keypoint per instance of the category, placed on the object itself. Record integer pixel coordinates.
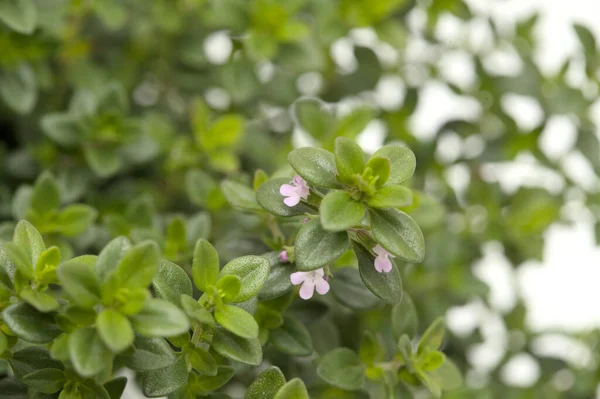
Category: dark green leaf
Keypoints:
(316, 247)
(398, 233)
(315, 165)
(240, 349)
(387, 286)
(292, 338)
(161, 382)
(404, 318)
(348, 288)
(342, 368)
(29, 324)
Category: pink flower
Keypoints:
(383, 264)
(283, 256)
(310, 281)
(296, 190)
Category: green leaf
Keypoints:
(352, 124)
(115, 330)
(115, 387)
(45, 196)
(587, 40)
(19, 257)
(387, 286)
(271, 200)
(294, 389)
(202, 361)
(30, 240)
(149, 354)
(104, 161)
(160, 318)
(398, 233)
(349, 158)
(170, 282)
(224, 132)
(237, 320)
(39, 300)
(260, 176)
(432, 337)
(292, 338)
(278, 283)
(315, 165)
(404, 318)
(30, 359)
(161, 382)
(239, 196)
(252, 270)
(19, 15)
(379, 168)
(205, 383)
(88, 353)
(110, 256)
(75, 219)
(342, 368)
(447, 375)
(46, 380)
(370, 350)
(316, 247)
(195, 310)
(47, 262)
(236, 348)
(266, 385)
(229, 287)
(205, 266)
(175, 239)
(348, 288)
(80, 282)
(314, 118)
(430, 361)
(30, 324)
(139, 265)
(391, 197)
(340, 212)
(402, 162)
(62, 128)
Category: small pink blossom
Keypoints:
(283, 256)
(310, 281)
(383, 263)
(295, 191)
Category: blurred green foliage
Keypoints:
(116, 120)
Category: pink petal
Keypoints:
(291, 201)
(322, 286)
(379, 250)
(287, 190)
(383, 264)
(299, 181)
(307, 290)
(303, 192)
(298, 277)
(319, 272)
(283, 256)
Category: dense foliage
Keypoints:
(207, 219)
